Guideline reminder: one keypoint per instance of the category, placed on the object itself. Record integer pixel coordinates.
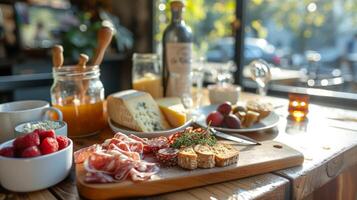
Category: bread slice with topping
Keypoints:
(225, 154)
(187, 158)
(205, 156)
(263, 108)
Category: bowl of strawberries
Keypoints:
(35, 161)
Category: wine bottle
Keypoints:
(177, 53)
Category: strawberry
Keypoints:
(62, 142)
(7, 152)
(43, 133)
(31, 152)
(49, 145)
(28, 140)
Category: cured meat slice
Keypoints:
(98, 177)
(130, 155)
(153, 145)
(143, 171)
(143, 140)
(115, 160)
(167, 156)
(81, 155)
(127, 145)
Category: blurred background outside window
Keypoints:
(309, 44)
(211, 23)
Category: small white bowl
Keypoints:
(220, 93)
(19, 130)
(31, 174)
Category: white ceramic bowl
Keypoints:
(221, 93)
(59, 131)
(31, 174)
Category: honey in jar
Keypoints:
(83, 119)
(79, 94)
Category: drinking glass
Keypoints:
(260, 73)
(225, 73)
(193, 100)
(147, 75)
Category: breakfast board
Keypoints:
(253, 160)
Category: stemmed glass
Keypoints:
(224, 73)
(260, 73)
(193, 100)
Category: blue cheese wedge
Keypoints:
(136, 110)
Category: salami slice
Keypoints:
(167, 156)
(155, 144)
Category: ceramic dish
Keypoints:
(117, 128)
(62, 130)
(37, 173)
(268, 122)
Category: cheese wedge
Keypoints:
(173, 110)
(136, 110)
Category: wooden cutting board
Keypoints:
(253, 160)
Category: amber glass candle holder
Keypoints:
(298, 106)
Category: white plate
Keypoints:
(268, 122)
(118, 128)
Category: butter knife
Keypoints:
(345, 119)
(236, 138)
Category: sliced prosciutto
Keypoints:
(116, 160)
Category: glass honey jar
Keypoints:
(79, 94)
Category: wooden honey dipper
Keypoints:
(57, 56)
(104, 37)
(83, 84)
(83, 59)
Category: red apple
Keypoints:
(215, 119)
(225, 108)
(232, 121)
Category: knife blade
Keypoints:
(344, 119)
(236, 138)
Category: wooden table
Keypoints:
(329, 170)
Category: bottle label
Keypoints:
(178, 57)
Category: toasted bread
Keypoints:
(205, 156)
(187, 158)
(225, 154)
(250, 118)
(263, 108)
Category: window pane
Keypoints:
(210, 21)
(311, 44)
